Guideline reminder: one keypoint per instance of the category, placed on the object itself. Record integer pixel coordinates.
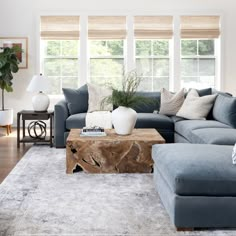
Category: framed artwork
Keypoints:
(22, 43)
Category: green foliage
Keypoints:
(106, 48)
(206, 47)
(189, 47)
(196, 47)
(8, 65)
(152, 48)
(127, 96)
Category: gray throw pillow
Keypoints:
(224, 110)
(77, 99)
(171, 102)
(195, 107)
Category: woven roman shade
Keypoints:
(153, 27)
(59, 27)
(200, 26)
(107, 27)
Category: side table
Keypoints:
(33, 115)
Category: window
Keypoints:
(60, 64)
(152, 34)
(198, 63)
(60, 51)
(106, 62)
(152, 63)
(106, 47)
(198, 51)
(150, 47)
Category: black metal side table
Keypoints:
(37, 116)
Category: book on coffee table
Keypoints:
(93, 131)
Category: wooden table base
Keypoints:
(7, 127)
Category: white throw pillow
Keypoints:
(196, 107)
(171, 102)
(234, 154)
(96, 95)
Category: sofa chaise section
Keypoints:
(196, 184)
(204, 132)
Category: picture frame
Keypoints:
(22, 43)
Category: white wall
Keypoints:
(20, 19)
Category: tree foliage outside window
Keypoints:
(60, 64)
(106, 62)
(152, 63)
(198, 63)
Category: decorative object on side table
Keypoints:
(40, 84)
(124, 117)
(39, 129)
(8, 65)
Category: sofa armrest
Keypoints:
(61, 113)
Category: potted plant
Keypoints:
(124, 116)
(8, 65)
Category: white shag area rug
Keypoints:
(39, 198)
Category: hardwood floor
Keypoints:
(9, 153)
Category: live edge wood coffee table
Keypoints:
(112, 153)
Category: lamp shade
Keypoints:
(39, 83)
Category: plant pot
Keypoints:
(123, 120)
(6, 117)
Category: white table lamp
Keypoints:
(40, 101)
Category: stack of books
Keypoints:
(93, 131)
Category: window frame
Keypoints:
(60, 57)
(153, 57)
(102, 57)
(198, 57)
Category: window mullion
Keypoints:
(129, 60)
(84, 68)
(175, 68)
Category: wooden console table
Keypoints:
(112, 153)
(33, 115)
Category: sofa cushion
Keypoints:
(220, 136)
(185, 127)
(76, 121)
(151, 106)
(196, 107)
(224, 109)
(77, 99)
(196, 169)
(156, 121)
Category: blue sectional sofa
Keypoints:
(193, 172)
(71, 113)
